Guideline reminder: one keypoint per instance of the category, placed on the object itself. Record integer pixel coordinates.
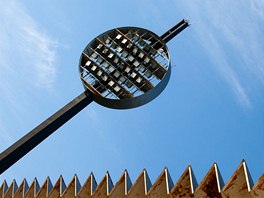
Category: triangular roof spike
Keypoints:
(193, 179)
(259, 187)
(210, 186)
(170, 182)
(247, 172)
(77, 185)
(73, 188)
(128, 182)
(22, 189)
(58, 188)
(11, 190)
(33, 189)
(184, 186)
(45, 188)
(141, 186)
(110, 184)
(49, 185)
(104, 187)
(239, 184)
(3, 188)
(162, 186)
(93, 183)
(148, 183)
(88, 187)
(220, 181)
(122, 186)
(37, 187)
(62, 185)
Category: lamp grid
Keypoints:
(124, 63)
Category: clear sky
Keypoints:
(211, 110)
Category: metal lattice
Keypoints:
(124, 63)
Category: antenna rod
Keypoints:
(171, 33)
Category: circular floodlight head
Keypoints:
(125, 67)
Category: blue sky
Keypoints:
(212, 109)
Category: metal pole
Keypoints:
(19, 149)
(16, 151)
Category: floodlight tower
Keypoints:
(122, 68)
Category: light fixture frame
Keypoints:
(127, 103)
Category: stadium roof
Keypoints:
(239, 185)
